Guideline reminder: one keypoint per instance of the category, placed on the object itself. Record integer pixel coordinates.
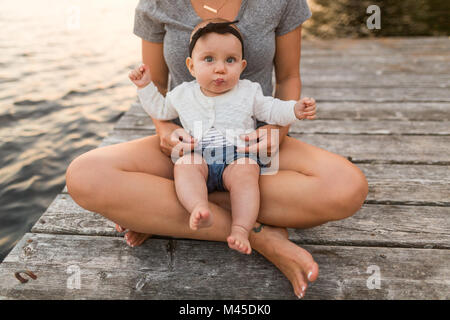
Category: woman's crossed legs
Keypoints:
(132, 184)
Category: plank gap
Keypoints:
(379, 101)
(409, 203)
(370, 134)
(402, 162)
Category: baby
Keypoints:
(216, 109)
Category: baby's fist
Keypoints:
(305, 109)
(140, 76)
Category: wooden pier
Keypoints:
(384, 104)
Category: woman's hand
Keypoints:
(174, 138)
(267, 138)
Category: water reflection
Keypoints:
(61, 90)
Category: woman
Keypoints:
(132, 183)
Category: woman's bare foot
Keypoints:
(133, 238)
(200, 217)
(294, 262)
(238, 240)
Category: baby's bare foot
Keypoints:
(238, 240)
(200, 217)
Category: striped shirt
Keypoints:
(213, 139)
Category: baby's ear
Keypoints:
(244, 65)
(190, 66)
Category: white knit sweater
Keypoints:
(232, 113)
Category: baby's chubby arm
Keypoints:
(151, 99)
(280, 112)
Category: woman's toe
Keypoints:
(313, 272)
(299, 284)
(130, 237)
(140, 240)
(119, 228)
(134, 239)
(127, 238)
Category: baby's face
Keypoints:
(216, 63)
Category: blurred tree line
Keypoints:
(347, 18)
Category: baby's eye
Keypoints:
(208, 59)
(231, 60)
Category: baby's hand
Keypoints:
(140, 76)
(305, 109)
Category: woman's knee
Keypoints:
(83, 180)
(347, 191)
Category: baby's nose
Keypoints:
(220, 67)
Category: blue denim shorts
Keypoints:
(218, 159)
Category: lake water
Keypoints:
(63, 84)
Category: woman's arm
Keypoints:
(287, 65)
(288, 87)
(153, 56)
(170, 134)
(287, 69)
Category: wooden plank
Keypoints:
(130, 121)
(386, 64)
(380, 78)
(423, 111)
(374, 224)
(183, 269)
(64, 216)
(378, 94)
(135, 121)
(384, 226)
(386, 46)
(109, 268)
(372, 127)
(407, 184)
(358, 148)
(343, 273)
(384, 148)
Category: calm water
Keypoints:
(63, 84)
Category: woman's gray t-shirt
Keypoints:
(172, 21)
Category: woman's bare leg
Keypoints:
(191, 174)
(312, 187)
(131, 184)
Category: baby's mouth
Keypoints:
(219, 81)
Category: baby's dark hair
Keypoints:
(216, 25)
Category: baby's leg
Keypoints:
(242, 181)
(191, 174)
